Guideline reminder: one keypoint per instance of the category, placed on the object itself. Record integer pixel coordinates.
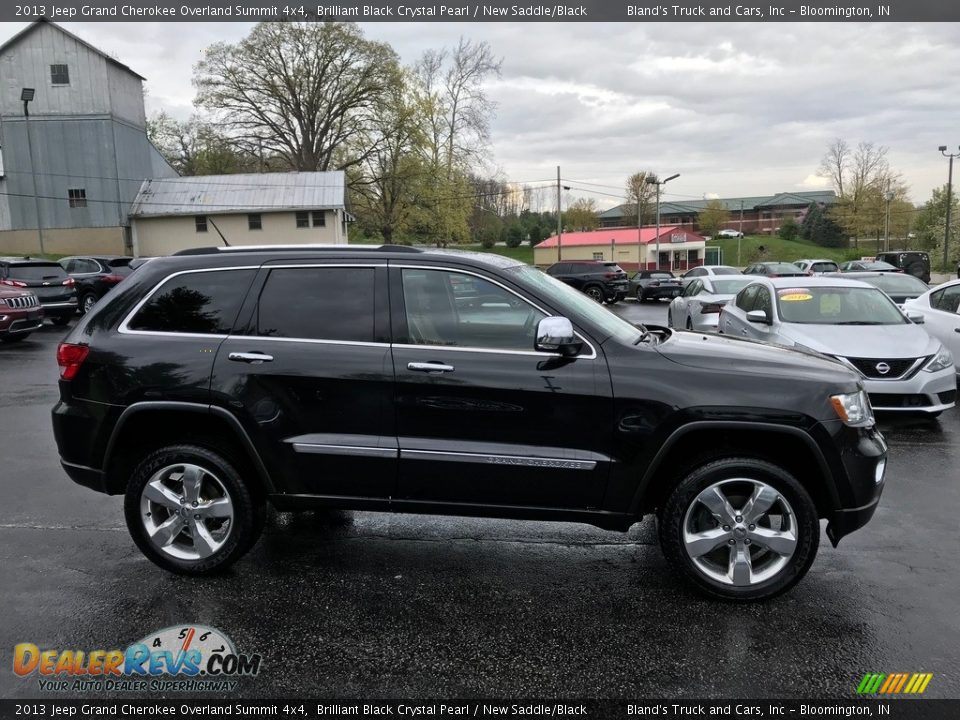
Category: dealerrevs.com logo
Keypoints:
(180, 658)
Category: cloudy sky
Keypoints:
(736, 109)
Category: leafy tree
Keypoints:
(818, 227)
(536, 235)
(712, 217)
(303, 91)
(515, 235)
(931, 223)
(789, 229)
(581, 215)
(194, 147)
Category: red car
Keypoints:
(20, 314)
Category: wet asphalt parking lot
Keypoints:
(375, 605)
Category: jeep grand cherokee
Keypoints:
(392, 379)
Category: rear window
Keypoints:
(661, 276)
(825, 267)
(730, 287)
(783, 268)
(612, 267)
(897, 283)
(36, 271)
(203, 303)
(119, 262)
(725, 271)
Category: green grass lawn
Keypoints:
(786, 250)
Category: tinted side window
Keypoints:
(318, 304)
(746, 298)
(487, 316)
(946, 300)
(199, 302)
(763, 302)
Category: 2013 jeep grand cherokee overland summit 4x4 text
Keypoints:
(388, 378)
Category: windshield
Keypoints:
(837, 306)
(730, 287)
(896, 283)
(661, 276)
(563, 296)
(725, 271)
(783, 268)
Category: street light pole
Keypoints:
(946, 231)
(658, 183)
(740, 236)
(26, 95)
(888, 196)
(559, 220)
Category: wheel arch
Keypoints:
(700, 442)
(146, 426)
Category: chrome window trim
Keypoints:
(124, 328)
(403, 266)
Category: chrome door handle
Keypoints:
(743, 332)
(254, 358)
(430, 367)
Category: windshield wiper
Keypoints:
(859, 322)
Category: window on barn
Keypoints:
(303, 219)
(254, 221)
(59, 75)
(77, 197)
(319, 218)
(200, 222)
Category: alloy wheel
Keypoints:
(595, 294)
(88, 302)
(740, 532)
(186, 511)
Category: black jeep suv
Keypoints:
(391, 379)
(598, 280)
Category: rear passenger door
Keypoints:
(309, 374)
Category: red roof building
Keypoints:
(632, 249)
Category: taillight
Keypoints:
(13, 283)
(710, 309)
(70, 357)
(69, 282)
(112, 279)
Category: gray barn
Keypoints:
(87, 129)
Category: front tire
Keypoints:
(740, 529)
(190, 512)
(60, 320)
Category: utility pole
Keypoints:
(559, 219)
(946, 232)
(888, 196)
(26, 95)
(658, 183)
(740, 237)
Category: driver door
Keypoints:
(482, 417)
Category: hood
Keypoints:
(862, 341)
(719, 352)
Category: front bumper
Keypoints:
(923, 392)
(17, 322)
(863, 455)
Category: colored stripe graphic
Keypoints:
(894, 683)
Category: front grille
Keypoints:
(868, 367)
(19, 303)
(880, 401)
(947, 397)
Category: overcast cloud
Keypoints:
(737, 109)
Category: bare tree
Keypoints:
(303, 91)
(834, 164)
(638, 190)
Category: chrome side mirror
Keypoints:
(758, 316)
(555, 334)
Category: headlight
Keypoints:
(853, 408)
(941, 361)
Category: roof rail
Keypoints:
(295, 248)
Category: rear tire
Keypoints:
(87, 302)
(740, 529)
(190, 512)
(595, 293)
